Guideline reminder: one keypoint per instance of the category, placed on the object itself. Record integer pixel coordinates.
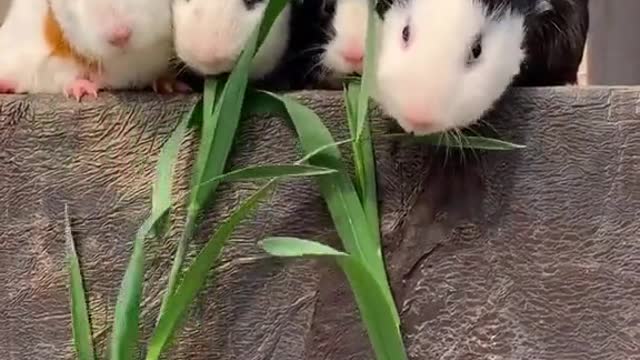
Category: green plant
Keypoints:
(352, 205)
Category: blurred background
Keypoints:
(612, 55)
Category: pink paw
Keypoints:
(81, 87)
(168, 86)
(7, 87)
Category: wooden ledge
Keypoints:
(516, 255)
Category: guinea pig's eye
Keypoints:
(476, 50)
(250, 4)
(406, 34)
(329, 7)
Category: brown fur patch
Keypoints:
(55, 38)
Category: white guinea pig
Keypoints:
(209, 35)
(442, 64)
(343, 52)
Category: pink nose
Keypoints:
(418, 117)
(354, 56)
(120, 36)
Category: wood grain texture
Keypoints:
(533, 254)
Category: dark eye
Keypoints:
(250, 4)
(329, 7)
(476, 50)
(406, 34)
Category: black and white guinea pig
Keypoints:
(209, 35)
(328, 42)
(443, 64)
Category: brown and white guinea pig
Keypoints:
(443, 64)
(328, 43)
(82, 46)
(209, 35)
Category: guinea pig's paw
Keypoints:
(80, 87)
(166, 85)
(8, 87)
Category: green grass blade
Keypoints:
(196, 275)
(162, 188)
(80, 325)
(214, 151)
(368, 70)
(378, 317)
(364, 160)
(338, 191)
(375, 312)
(271, 171)
(219, 130)
(281, 246)
(127, 313)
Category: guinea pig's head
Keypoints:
(343, 53)
(443, 64)
(209, 35)
(103, 28)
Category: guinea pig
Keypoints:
(82, 46)
(209, 35)
(443, 64)
(328, 43)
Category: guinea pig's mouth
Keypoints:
(210, 69)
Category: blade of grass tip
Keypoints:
(215, 147)
(272, 171)
(369, 68)
(338, 190)
(283, 246)
(127, 313)
(376, 314)
(162, 187)
(196, 275)
(80, 325)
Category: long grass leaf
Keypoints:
(379, 320)
(364, 160)
(220, 128)
(271, 171)
(127, 313)
(162, 187)
(196, 275)
(80, 325)
(338, 191)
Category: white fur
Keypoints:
(430, 76)
(27, 61)
(87, 24)
(209, 35)
(349, 26)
